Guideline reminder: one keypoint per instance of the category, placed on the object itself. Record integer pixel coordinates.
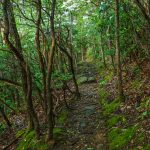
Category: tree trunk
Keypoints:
(110, 48)
(119, 71)
(38, 47)
(72, 69)
(102, 51)
(49, 75)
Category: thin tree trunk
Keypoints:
(72, 69)
(38, 46)
(110, 48)
(5, 117)
(102, 51)
(49, 75)
(119, 70)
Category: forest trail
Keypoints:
(85, 126)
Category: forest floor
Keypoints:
(97, 121)
(85, 125)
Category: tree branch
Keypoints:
(9, 82)
(141, 7)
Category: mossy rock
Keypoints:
(91, 79)
(82, 80)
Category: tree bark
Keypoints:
(38, 47)
(119, 70)
(49, 75)
(102, 51)
(110, 48)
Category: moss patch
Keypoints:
(62, 117)
(103, 96)
(114, 120)
(111, 107)
(147, 147)
(118, 138)
(57, 132)
(136, 84)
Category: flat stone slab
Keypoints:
(86, 79)
(89, 110)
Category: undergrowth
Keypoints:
(29, 141)
(115, 119)
(58, 131)
(118, 136)
(62, 117)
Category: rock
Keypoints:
(89, 110)
(85, 79)
(83, 124)
(128, 107)
(91, 79)
(90, 148)
(82, 80)
(74, 140)
(100, 147)
(90, 107)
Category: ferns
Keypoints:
(29, 141)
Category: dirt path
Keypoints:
(85, 127)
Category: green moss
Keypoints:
(136, 71)
(2, 127)
(145, 103)
(111, 107)
(82, 80)
(58, 131)
(102, 83)
(136, 84)
(103, 96)
(108, 107)
(140, 138)
(119, 138)
(90, 148)
(29, 141)
(146, 147)
(114, 120)
(109, 76)
(62, 117)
